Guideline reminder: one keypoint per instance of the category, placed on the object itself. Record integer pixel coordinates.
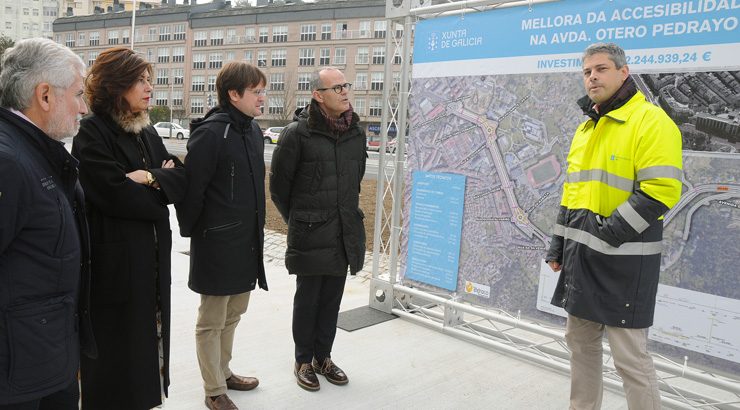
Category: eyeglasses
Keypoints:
(259, 92)
(337, 88)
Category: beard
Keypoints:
(61, 126)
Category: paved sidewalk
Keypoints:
(392, 365)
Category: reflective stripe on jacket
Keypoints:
(624, 173)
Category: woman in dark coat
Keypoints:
(129, 178)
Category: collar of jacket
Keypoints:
(114, 122)
(623, 113)
(620, 97)
(317, 122)
(240, 120)
(50, 148)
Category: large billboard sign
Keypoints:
(493, 99)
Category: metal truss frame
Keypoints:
(682, 387)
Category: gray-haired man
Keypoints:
(43, 232)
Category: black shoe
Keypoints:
(306, 377)
(331, 371)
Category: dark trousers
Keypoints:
(315, 311)
(65, 399)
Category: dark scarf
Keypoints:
(623, 94)
(338, 126)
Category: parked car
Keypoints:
(272, 134)
(163, 129)
(373, 144)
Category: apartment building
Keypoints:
(189, 44)
(86, 7)
(20, 19)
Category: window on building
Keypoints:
(27, 27)
(277, 81)
(301, 101)
(378, 55)
(200, 39)
(326, 31)
(279, 34)
(399, 30)
(162, 77)
(179, 33)
(306, 56)
(230, 56)
(35, 12)
(231, 37)
(178, 54)
(177, 98)
(199, 61)
(196, 105)
(359, 106)
(397, 80)
(70, 42)
(216, 60)
(397, 57)
(160, 98)
(91, 57)
(376, 107)
(364, 30)
(379, 29)
(199, 83)
(376, 81)
(164, 33)
(249, 36)
(126, 36)
(340, 56)
(113, 37)
(276, 104)
(279, 57)
(261, 58)
(308, 32)
(264, 34)
(81, 40)
(324, 56)
(153, 34)
(363, 55)
(8, 10)
(304, 81)
(342, 30)
(150, 54)
(94, 38)
(211, 83)
(26, 11)
(178, 75)
(248, 56)
(163, 55)
(9, 25)
(360, 81)
(217, 37)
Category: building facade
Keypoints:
(188, 45)
(20, 19)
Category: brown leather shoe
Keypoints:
(222, 402)
(236, 382)
(306, 377)
(332, 372)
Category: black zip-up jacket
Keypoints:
(223, 212)
(44, 264)
(315, 184)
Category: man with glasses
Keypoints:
(624, 173)
(317, 168)
(224, 215)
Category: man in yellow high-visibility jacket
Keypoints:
(624, 173)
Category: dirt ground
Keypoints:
(274, 222)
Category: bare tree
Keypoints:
(289, 94)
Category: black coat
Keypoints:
(223, 212)
(315, 184)
(44, 268)
(131, 244)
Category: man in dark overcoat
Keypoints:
(224, 215)
(44, 245)
(317, 169)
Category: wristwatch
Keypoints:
(150, 180)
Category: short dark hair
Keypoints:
(114, 72)
(615, 53)
(237, 76)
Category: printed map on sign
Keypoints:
(502, 113)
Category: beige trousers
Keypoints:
(631, 359)
(214, 338)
